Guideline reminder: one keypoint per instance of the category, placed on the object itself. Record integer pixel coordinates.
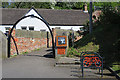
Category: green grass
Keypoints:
(24, 52)
(116, 68)
(13, 55)
(72, 52)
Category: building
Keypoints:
(63, 19)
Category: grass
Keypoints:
(37, 49)
(82, 46)
(24, 52)
(72, 52)
(13, 55)
(116, 68)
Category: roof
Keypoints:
(53, 17)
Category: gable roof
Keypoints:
(53, 17)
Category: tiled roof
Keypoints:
(53, 17)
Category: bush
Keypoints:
(105, 37)
(72, 52)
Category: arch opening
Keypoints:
(10, 36)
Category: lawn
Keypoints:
(116, 68)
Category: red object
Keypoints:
(88, 61)
(61, 50)
(16, 39)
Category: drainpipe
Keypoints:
(90, 26)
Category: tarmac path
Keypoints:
(36, 64)
(40, 64)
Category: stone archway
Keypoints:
(10, 36)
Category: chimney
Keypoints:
(85, 8)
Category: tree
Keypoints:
(69, 5)
(78, 5)
(46, 5)
(107, 35)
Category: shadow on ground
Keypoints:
(106, 74)
(49, 54)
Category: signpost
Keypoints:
(61, 45)
(89, 60)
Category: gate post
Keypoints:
(47, 39)
(82, 68)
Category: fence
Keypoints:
(91, 60)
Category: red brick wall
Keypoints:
(27, 44)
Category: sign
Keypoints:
(61, 50)
(61, 41)
(61, 45)
(89, 60)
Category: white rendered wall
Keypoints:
(32, 12)
(32, 22)
(37, 25)
(2, 28)
(75, 28)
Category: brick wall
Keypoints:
(27, 41)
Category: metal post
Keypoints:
(90, 26)
(9, 40)
(47, 39)
(102, 69)
(73, 39)
(82, 68)
(99, 69)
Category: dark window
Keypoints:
(23, 28)
(7, 28)
(7, 32)
(31, 28)
(42, 30)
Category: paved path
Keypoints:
(34, 65)
(76, 70)
(39, 64)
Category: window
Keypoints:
(7, 31)
(7, 28)
(31, 28)
(42, 30)
(23, 28)
(57, 27)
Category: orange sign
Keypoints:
(61, 41)
(61, 50)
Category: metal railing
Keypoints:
(91, 60)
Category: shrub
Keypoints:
(72, 52)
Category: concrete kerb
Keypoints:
(113, 72)
(66, 61)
